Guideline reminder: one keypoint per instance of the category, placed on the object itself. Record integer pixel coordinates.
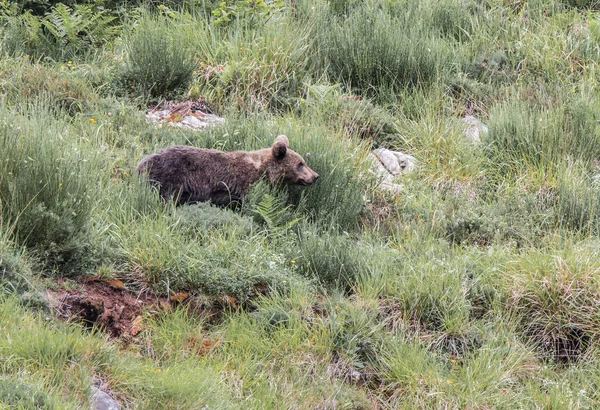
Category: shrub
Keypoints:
(19, 395)
(431, 289)
(578, 204)
(555, 295)
(333, 259)
(583, 4)
(522, 134)
(204, 216)
(250, 13)
(160, 254)
(16, 276)
(456, 18)
(158, 58)
(59, 87)
(62, 34)
(355, 116)
(253, 69)
(375, 53)
(46, 183)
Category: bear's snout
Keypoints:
(309, 180)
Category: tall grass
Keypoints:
(253, 68)
(523, 135)
(375, 53)
(47, 184)
(158, 58)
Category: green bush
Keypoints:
(456, 18)
(260, 69)
(583, 4)
(158, 59)
(19, 395)
(46, 183)
(204, 216)
(333, 259)
(164, 254)
(528, 135)
(555, 296)
(250, 13)
(578, 203)
(16, 275)
(354, 115)
(62, 34)
(59, 86)
(375, 53)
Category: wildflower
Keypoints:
(308, 155)
(72, 67)
(293, 262)
(573, 90)
(69, 62)
(93, 121)
(62, 67)
(517, 83)
(60, 185)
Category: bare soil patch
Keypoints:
(105, 303)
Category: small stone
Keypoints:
(102, 401)
(395, 162)
(194, 123)
(475, 128)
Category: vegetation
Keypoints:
(475, 287)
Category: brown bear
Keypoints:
(191, 174)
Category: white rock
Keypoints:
(197, 121)
(474, 129)
(157, 116)
(192, 122)
(395, 162)
(102, 401)
(387, 164)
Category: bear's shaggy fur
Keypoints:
(191, 174)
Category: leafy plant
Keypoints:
(274, 214)
(62, 33)
(249, 13)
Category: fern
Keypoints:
(275, 215)
(62, 33)
(79, 28)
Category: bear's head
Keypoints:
(287, 166)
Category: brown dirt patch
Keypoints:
(104, 303)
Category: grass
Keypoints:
(473, 287)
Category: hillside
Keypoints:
(473, 285)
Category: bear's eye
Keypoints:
(300, 165)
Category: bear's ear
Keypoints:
(280, 146)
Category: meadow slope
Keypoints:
(476, 287)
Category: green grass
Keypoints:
(474, 287)
(47, 184)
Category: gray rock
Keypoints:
(102, 401)
(395, 162)
(387, 164)
(475, 128)
(197, 121)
